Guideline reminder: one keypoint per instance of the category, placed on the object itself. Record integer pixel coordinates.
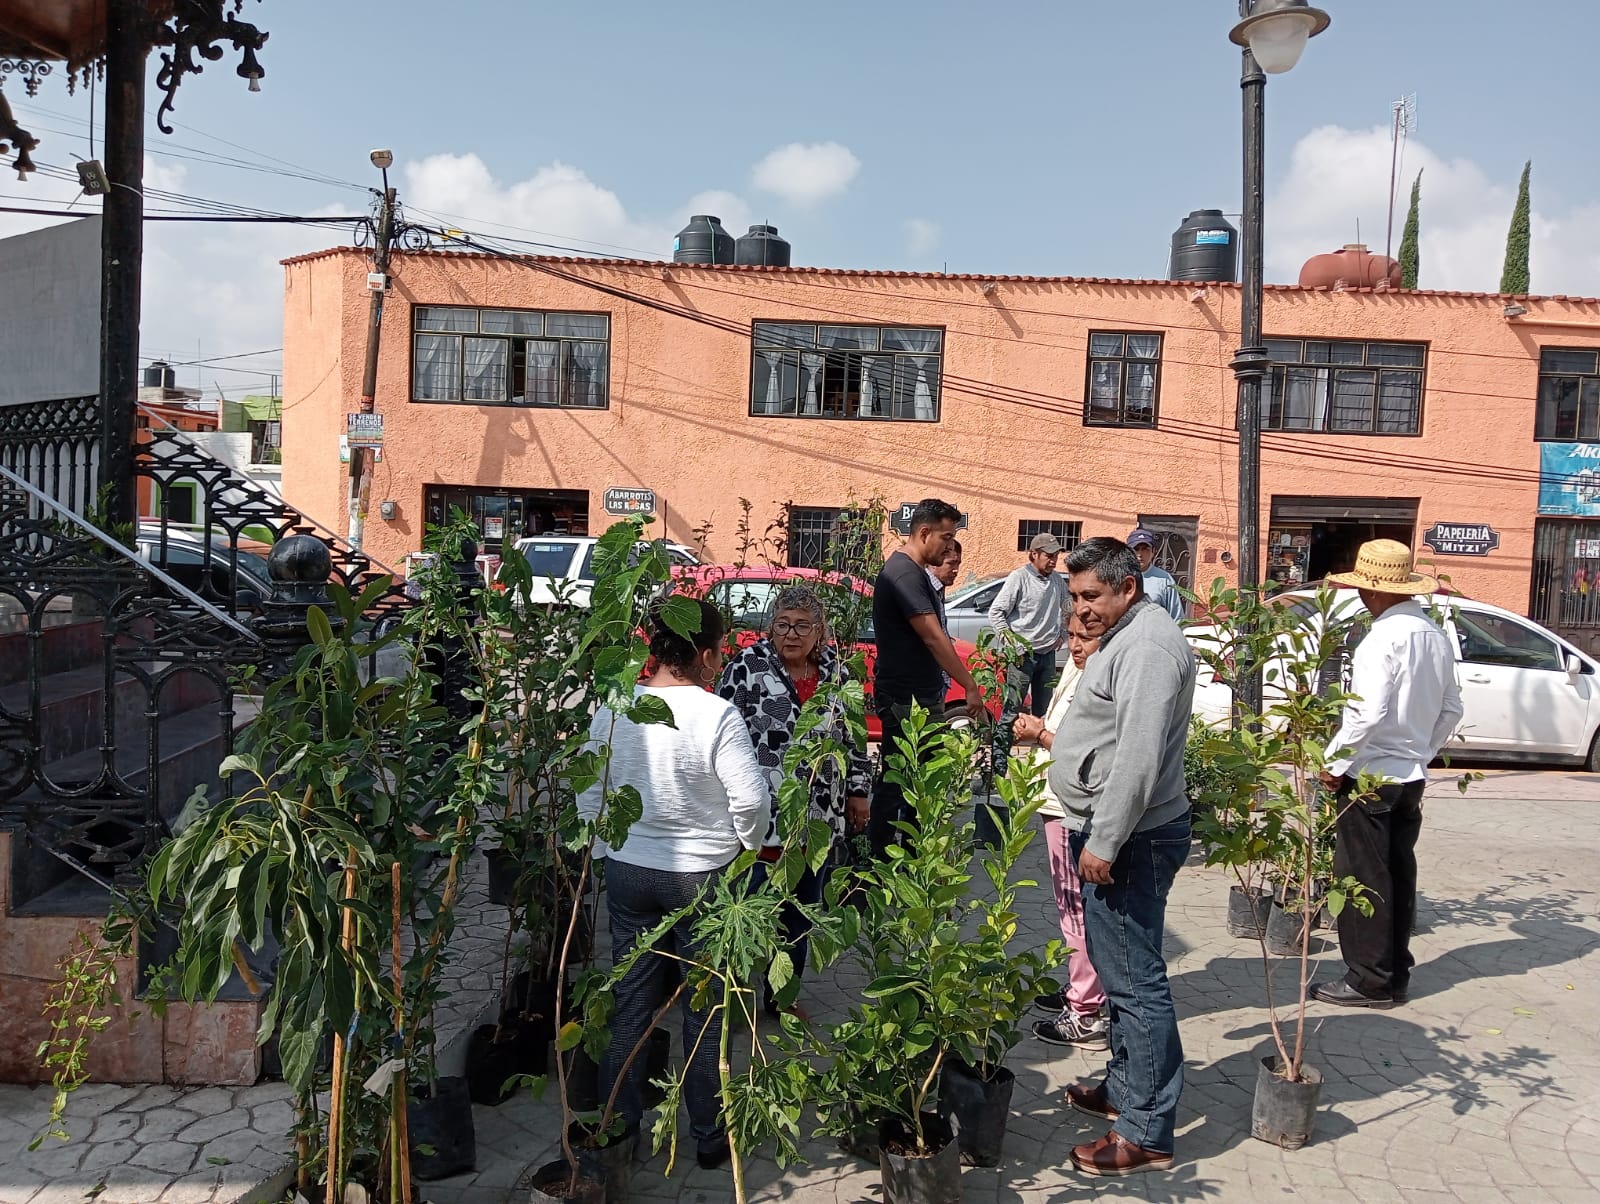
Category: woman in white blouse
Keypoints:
(704, 799)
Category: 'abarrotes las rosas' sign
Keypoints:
(630, 501)
(900, 519)
(1461, 539)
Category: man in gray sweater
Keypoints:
(1117, 767)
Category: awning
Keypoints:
(1360, 509)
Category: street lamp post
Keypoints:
(1273, 34)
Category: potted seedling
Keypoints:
(1266, 813)
(1000, 983)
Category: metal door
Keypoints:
(1564, 591)
(1176, 536)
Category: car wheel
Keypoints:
(1592, 764)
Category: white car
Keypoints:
(1527, 694)
(967, 612)
(563, 566)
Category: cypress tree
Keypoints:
(1410, 253)
(1514, 279)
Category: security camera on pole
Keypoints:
(361, 453)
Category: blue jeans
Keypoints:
(1031, 680)
(638, 899)
(1124, 923)
(796, 928)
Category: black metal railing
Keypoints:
(211, 525)
(117, 687)
(55, 447)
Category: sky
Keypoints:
(1015, 136)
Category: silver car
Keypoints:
(966, 609)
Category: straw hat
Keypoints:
(1384, 566)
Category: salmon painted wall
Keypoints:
(1010, 443)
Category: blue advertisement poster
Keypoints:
(1569, 479)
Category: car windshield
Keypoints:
(548, 558)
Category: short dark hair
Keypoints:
(671, 649)
(1111, 560)
(930, 512)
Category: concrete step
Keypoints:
(66, 640)
(71, 715)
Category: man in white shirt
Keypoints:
(1408, 704)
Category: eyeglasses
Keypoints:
(784, 627)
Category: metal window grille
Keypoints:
(1066, 531)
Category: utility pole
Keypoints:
(1405, 122)
(361, 458)
(121, 253)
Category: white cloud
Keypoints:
(922, 236)
(804, 173)
(1338, 176)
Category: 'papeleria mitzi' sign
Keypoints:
(1461, 539)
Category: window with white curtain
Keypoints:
(1124, 367)
(522, 357)
(1345, 386)
(801, 370)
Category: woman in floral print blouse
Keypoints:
(769, 683)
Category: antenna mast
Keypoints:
(1405, 124)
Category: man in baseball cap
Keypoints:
(1159, 585)
(1032, 605)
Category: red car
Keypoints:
(748, 595)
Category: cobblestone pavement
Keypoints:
(1485, 1088)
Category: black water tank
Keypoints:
(763, 248)
(703, 240)
(160, 375)
(1205, 247)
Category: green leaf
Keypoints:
(571, 1033)
(651, 708)
(683, 615)
(319, 627)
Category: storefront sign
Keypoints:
(1586, 549)
(364, 430)
(900, 519)
(1461, 539)
(630, 501)
(1569, 479)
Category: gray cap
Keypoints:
(1044, 542)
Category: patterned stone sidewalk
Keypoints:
(1485, 1088)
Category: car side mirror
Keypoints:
(246, 599)
(1574, 666)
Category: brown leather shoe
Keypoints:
(1092, 1101)
(1115, 1155)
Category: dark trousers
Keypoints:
(796, 928)
(1377, 846)
(1031, 680)
(888, 799)
(638, 899)
(1125, 924)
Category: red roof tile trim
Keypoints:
(656, 265)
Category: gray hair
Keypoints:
(800, 597)
(1111, 560)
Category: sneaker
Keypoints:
(1054, 1003)
(1080, 1032)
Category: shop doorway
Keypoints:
(504, 516)
(1565, 586)
(1310, 537)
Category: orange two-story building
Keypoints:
(542, 394)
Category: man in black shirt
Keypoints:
(914, 653)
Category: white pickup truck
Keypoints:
(563, 566)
